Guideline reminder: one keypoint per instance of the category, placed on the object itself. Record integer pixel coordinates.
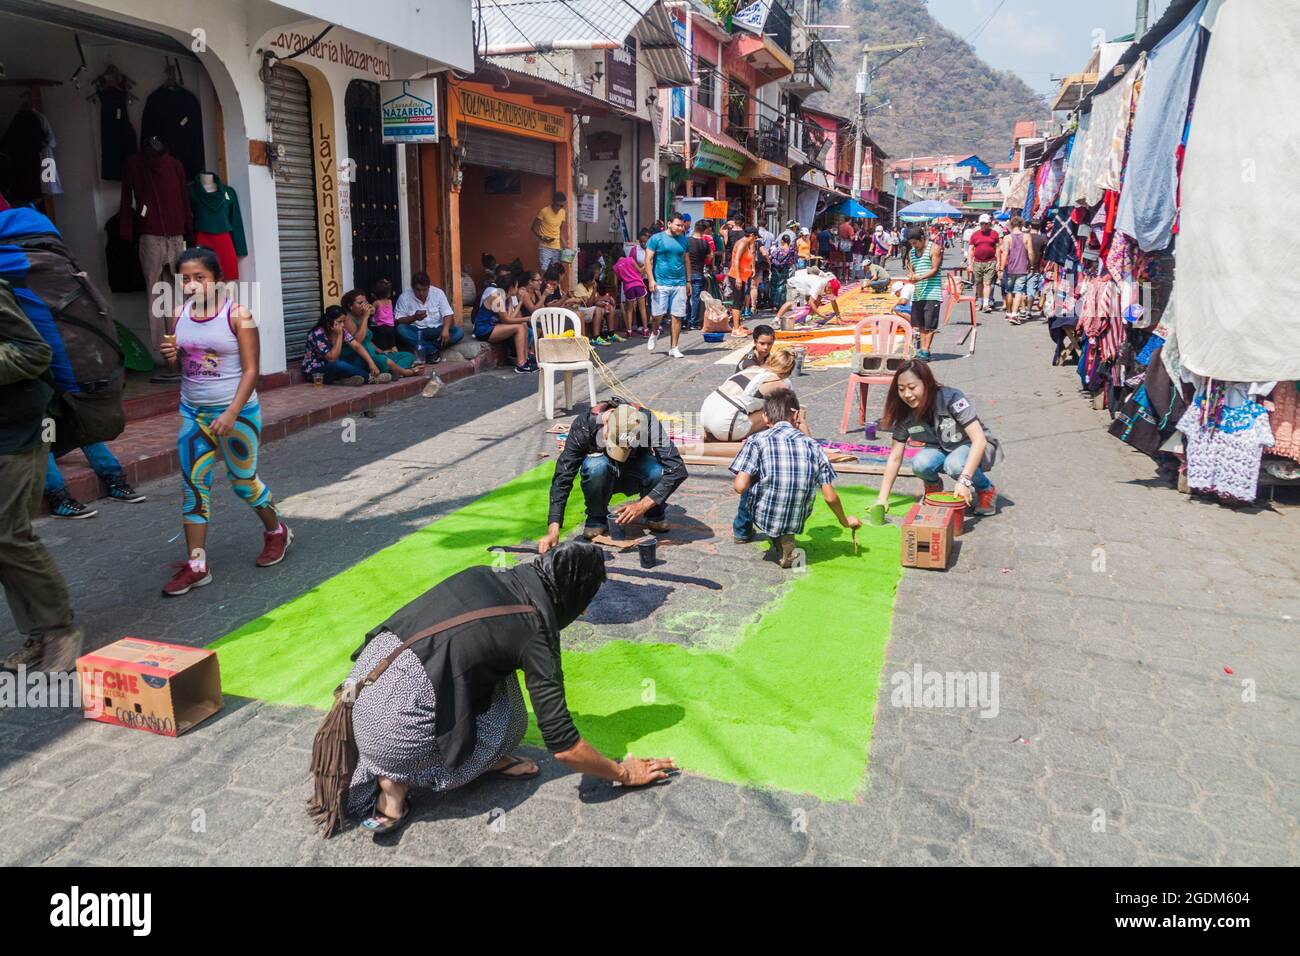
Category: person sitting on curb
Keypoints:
(595, 311)
(764, 339)
(324, 354)
(425, 318)
(358, 320)
(498, 318)
(778, 472)
(616, 447)
(942, 419)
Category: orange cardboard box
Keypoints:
(927, 537)
(147, 685)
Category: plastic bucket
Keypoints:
(951, 502)
(568, 255)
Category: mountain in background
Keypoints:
(945, 98)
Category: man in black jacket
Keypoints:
(616, 447)
(37, 595)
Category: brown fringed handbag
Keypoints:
(334, 751)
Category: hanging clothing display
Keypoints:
(116, 134)
(1241, 155)
(1070, 191)
(1147, 205)
(25, 143)
(1285, 420)
(1224, 446)
(1152, 413)
(155, 196)
(1111, 174)
(123, 258)
(217, 222)
(173, 114)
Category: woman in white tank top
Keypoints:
(734, 410)
(216, 344)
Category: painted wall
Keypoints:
(501, 225)
(36, 50)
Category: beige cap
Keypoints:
(622, 432)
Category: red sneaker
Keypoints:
(275, 544)
(186, 578)
(987, 502)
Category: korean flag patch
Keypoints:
(960, 406)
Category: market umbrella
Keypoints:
(853, 210)
(1003, 215)
(927, 209)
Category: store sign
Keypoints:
(712, 158)
(620, 75)
(679, 93)
(513, 116)
(589, 206)
(340, 48)
(410, 110)
(604, 145)
(766, 169)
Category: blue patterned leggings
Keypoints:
(198, 449)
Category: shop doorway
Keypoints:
(507, 179)
(84, 84)
(376, 230)
(289, 102)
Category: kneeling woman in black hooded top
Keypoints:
(449, 710)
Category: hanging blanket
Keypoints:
(1237, 319)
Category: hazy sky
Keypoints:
(1038, 39)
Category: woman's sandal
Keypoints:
(514, 762)
(379, 823)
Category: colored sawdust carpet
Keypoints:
(789, 705)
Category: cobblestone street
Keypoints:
(1110, 606)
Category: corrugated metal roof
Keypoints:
(511, 26)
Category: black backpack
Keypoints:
(69, 312)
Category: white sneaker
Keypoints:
(676, 353)
(650, 345)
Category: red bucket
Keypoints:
(950, 502)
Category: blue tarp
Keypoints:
(929, 209)
(853, 209)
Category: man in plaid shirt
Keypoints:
(777, 474)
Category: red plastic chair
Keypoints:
(953, 297)
(884, 330)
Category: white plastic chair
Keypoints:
(555, 321)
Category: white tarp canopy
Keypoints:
(1236, 296)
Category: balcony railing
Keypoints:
(814, 68)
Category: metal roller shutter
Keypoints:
(295, 203)
(496, 150)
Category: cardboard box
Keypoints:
(162, 688)
(927, 537)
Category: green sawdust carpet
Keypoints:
(791, 706)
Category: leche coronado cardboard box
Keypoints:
(927, 537)
(162, 688)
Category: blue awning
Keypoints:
(853, 210)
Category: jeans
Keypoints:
(601, 477)
(97, 456)
(743, 524)
(411, 337)
(342, 368)
(696, 311)
(928, 462)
